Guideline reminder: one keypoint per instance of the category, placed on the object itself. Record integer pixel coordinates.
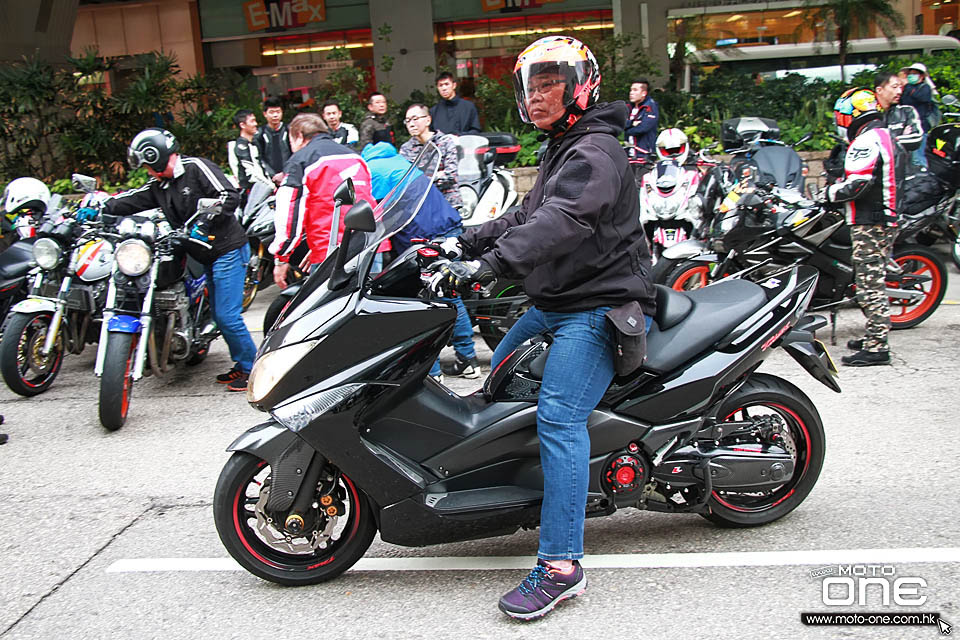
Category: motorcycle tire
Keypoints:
(955, 253)
(919, 260)
(662, 268)
(273, 312)
(24, 369)
(238, 490)
(688, 275)
(760, 396)
(116, 383)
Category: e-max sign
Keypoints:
(283, 14)
(873, 584)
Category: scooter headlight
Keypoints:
(47, 253)
(269, 369)
(133, 257)
(470, 200)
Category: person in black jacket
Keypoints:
(176, 184)
(577, 243)
(453, 114)
(244, 157)
(273, 140)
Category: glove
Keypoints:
(461, 276)
(86, 214)
(201, 230)
(450, 248)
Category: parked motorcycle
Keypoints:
(360, 439)
(487, 187)
(767, 231)
(157, 309)
(257, 219)
(65, 304)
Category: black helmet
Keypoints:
(152, 147)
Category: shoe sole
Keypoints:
(226, 381)
(569, 594)
(235, 389)
(866, 364)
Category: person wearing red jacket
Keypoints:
(305, 197)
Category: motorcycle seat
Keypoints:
(688, 323)
(15, 261)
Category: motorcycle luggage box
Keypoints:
(920, 191)
(943, 153)
(505, 145)
(15, 261)
(736, 133)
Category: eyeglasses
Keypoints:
(413, 119)
(542, 87)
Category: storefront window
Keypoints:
(474, 48)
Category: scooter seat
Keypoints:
(687, 323)
(15, 261)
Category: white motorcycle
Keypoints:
(487, 187)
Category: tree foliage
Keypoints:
(845, 20)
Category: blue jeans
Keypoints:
(225, 282)
(462, 335)
(919, 157)
(578, 371)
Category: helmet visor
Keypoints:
(547, 86)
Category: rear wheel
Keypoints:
(688, 275)
(793, 424)
(327, 546)
(25, 369)
(273, 312)
(915, 261)
(251, 282)
(662, 268)
(116, 383)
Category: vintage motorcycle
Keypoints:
(360, 439)
(157, 309)
(63, 311)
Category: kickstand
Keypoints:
(833, 328)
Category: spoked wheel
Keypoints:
(491, 333)
(923, 272)
(786, 419)
(26, 370)
(688, 275)
(257, 539)
(251, 282)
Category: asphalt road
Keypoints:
(82, 504)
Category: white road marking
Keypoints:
(611, 561)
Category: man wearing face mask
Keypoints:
(918, 94)
(577, 243)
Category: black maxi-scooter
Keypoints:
(360, 439)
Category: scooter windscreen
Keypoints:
(392, 214)
(258, 193)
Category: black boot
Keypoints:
(465, 368)
(866, 359)
(855, 345)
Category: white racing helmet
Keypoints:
(672, 145)
(26, 194)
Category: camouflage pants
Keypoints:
(871, 250)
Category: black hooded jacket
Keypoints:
(576, 240)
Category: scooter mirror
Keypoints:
(488, 156)
(83, 183)
(360, 217)
(346, 193)
(949, 99)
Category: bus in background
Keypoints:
(811, 59)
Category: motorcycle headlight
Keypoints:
(269, 369)
(469, 197)
(47, 253)
(133, 257)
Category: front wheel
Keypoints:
(116, 384)
(914, 261)
(688, 275)
(789, 421)
(327, 546)
(25, 369)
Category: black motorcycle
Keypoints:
(360, 439)
(764, 231)
(257, 219)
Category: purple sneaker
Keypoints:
(540, 591)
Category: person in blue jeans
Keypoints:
(577, 243)
(176, 185)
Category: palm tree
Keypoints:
(852, 17)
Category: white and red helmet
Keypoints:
(672, 145)
(562, 55)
